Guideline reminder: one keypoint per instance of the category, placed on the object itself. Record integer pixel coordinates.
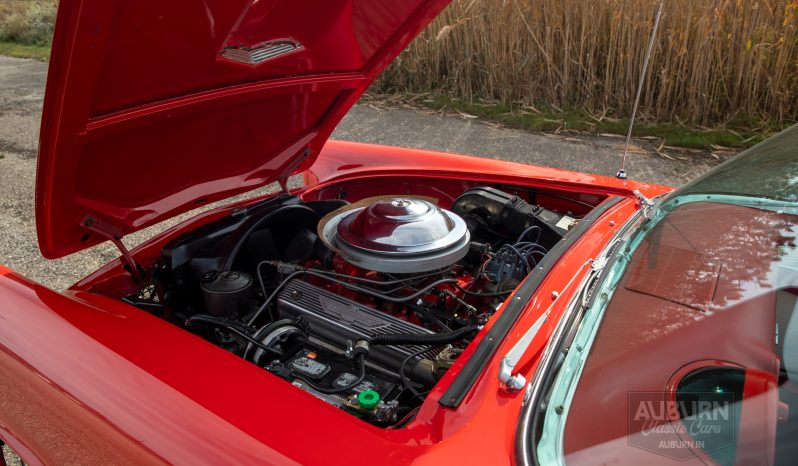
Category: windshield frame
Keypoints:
(526, 451)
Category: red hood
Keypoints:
(153, 108)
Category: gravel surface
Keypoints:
(22, 90)
(10, 457)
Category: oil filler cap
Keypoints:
(368, 399)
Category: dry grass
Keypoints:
(15, 49)
(27, 22)
(715, 62)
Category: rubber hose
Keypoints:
(213, 320)
(234, 327)
(435, 339)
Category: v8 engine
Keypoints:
(366, 304)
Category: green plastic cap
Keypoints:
(368, 399)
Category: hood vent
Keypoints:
(262, 52)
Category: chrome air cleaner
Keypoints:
(396, 234)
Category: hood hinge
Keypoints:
(282, 180)
(113, 233)
(283, 183)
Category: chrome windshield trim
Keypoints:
(525, 453)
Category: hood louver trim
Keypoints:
(262, 52)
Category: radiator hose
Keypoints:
(234, 327)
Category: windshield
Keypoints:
(769, 170)
(690, 353)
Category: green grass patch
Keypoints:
(549, 120)
(13, 49)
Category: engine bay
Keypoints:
(362, 301)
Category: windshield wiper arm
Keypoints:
(515, 382)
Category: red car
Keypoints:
(399, 306)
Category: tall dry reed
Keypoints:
(27, 21)
(714, 60)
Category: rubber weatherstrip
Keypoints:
(528, 420)
(475, 365)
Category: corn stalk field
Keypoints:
(28, 22)
(715, 62)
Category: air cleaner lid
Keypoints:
(396, 234)
(401, 226)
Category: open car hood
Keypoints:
(153, 108)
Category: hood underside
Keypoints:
(153, 108)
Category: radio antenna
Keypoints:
(622, 172)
